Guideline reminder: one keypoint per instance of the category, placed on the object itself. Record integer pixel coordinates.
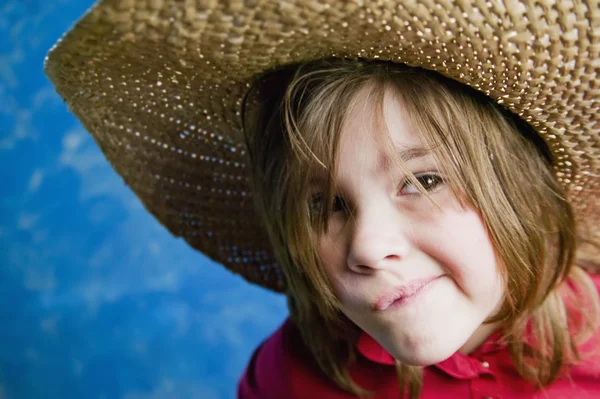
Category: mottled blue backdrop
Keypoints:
(97, 300)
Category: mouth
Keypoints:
(403, 294)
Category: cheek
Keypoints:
(332, 262)
(344, 283)
(465, 249)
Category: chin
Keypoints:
(424, 353)
(423, 359)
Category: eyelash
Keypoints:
(315, 201)
(437, 181)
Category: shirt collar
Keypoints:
(458, 365)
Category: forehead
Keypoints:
(383, 131)
(373, 136)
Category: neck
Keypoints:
(479, 337)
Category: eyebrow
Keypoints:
(405, 154)
(316, 180)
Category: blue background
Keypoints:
(97, 300)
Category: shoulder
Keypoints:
(266, 376)
(590, 349)
(281, 367)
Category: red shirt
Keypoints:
(280, 368)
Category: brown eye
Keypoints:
(316, 204)
(339, 204)
(429, 181)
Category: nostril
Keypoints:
(392, 257)
(363, 269)
(366, 255)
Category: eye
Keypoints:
(430, 182)
(316, 204)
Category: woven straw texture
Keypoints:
(159, 86)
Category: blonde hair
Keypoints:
(494, 162)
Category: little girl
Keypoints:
(433, 226)
(418, 224)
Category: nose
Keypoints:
(377, 241)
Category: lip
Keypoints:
(402, 293)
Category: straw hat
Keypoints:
(159, 83)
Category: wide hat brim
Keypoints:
(159, 86)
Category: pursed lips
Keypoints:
(404, 291)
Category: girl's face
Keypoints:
(419, 280)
